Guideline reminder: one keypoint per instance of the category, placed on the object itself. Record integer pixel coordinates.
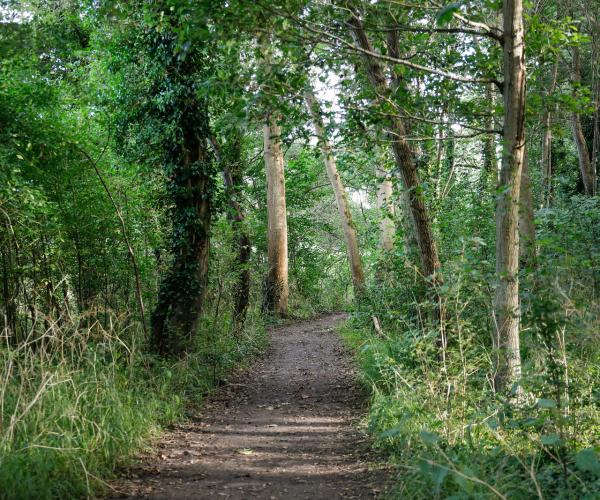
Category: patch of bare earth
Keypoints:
(287, 428)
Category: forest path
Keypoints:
(286, 430)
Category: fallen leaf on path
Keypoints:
(246, 451)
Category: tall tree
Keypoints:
(586, 166)
(547, 142)
(341, 198)
(403, 155)
(230, 158)
(276, 283)
(385, 205)
(506, 299)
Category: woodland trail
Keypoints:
(286, 430)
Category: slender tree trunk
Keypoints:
(407, 220)
(387, 229)
(404, 158)
(506, 299)
(181, 294)
(230, 161)
(547, 158)
(276, 283)
(489, 175)
(354, 260)
(527, 243)
(547, 144)
(587, 169)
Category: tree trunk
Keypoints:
(547, 158)
(489, 175)
(232, 177)
(506, 299)
(181, 294)
(404, 158)
(547, 144)
(276, 283)
(587, 169)
(387, 229)
(354, 260)
(527, 243)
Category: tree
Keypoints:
(506, 299)
(403, 155)
(276, 283)
(341, 198)
(586, 165)
(173, 124)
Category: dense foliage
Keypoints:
(135, 231)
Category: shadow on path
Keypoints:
(285, 430)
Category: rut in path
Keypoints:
(286, 430)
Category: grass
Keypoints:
(80, 402)
(450, 437)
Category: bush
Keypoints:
(78, 403)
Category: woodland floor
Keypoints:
(284, 429)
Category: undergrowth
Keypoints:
(78, 402)
(450, 438)
(439, 420)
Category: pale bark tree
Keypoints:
(341, 198)
(586, 167)
(506, 299)
(276, 283)
(385, 205)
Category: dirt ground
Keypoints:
(285, 429)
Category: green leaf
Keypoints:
(546, 403)
(429, 437)
(444, 16)
(550, 439)
(587, 460)
(390, 432)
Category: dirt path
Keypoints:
(286, 430)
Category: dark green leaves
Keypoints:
(444, 16)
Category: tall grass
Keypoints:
(77, 402)
(442, 425)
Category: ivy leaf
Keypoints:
(587, 460)
(429, 437)
(444, 16)
(550, 439)
(546, 403)
(390, 432)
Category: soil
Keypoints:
(285, 429)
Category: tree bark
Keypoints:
(387, 229)
(506, 299)
(341, 198)
(181, 294)
(276, 283)
(527, 242)
(587, 169)
(404, 159)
